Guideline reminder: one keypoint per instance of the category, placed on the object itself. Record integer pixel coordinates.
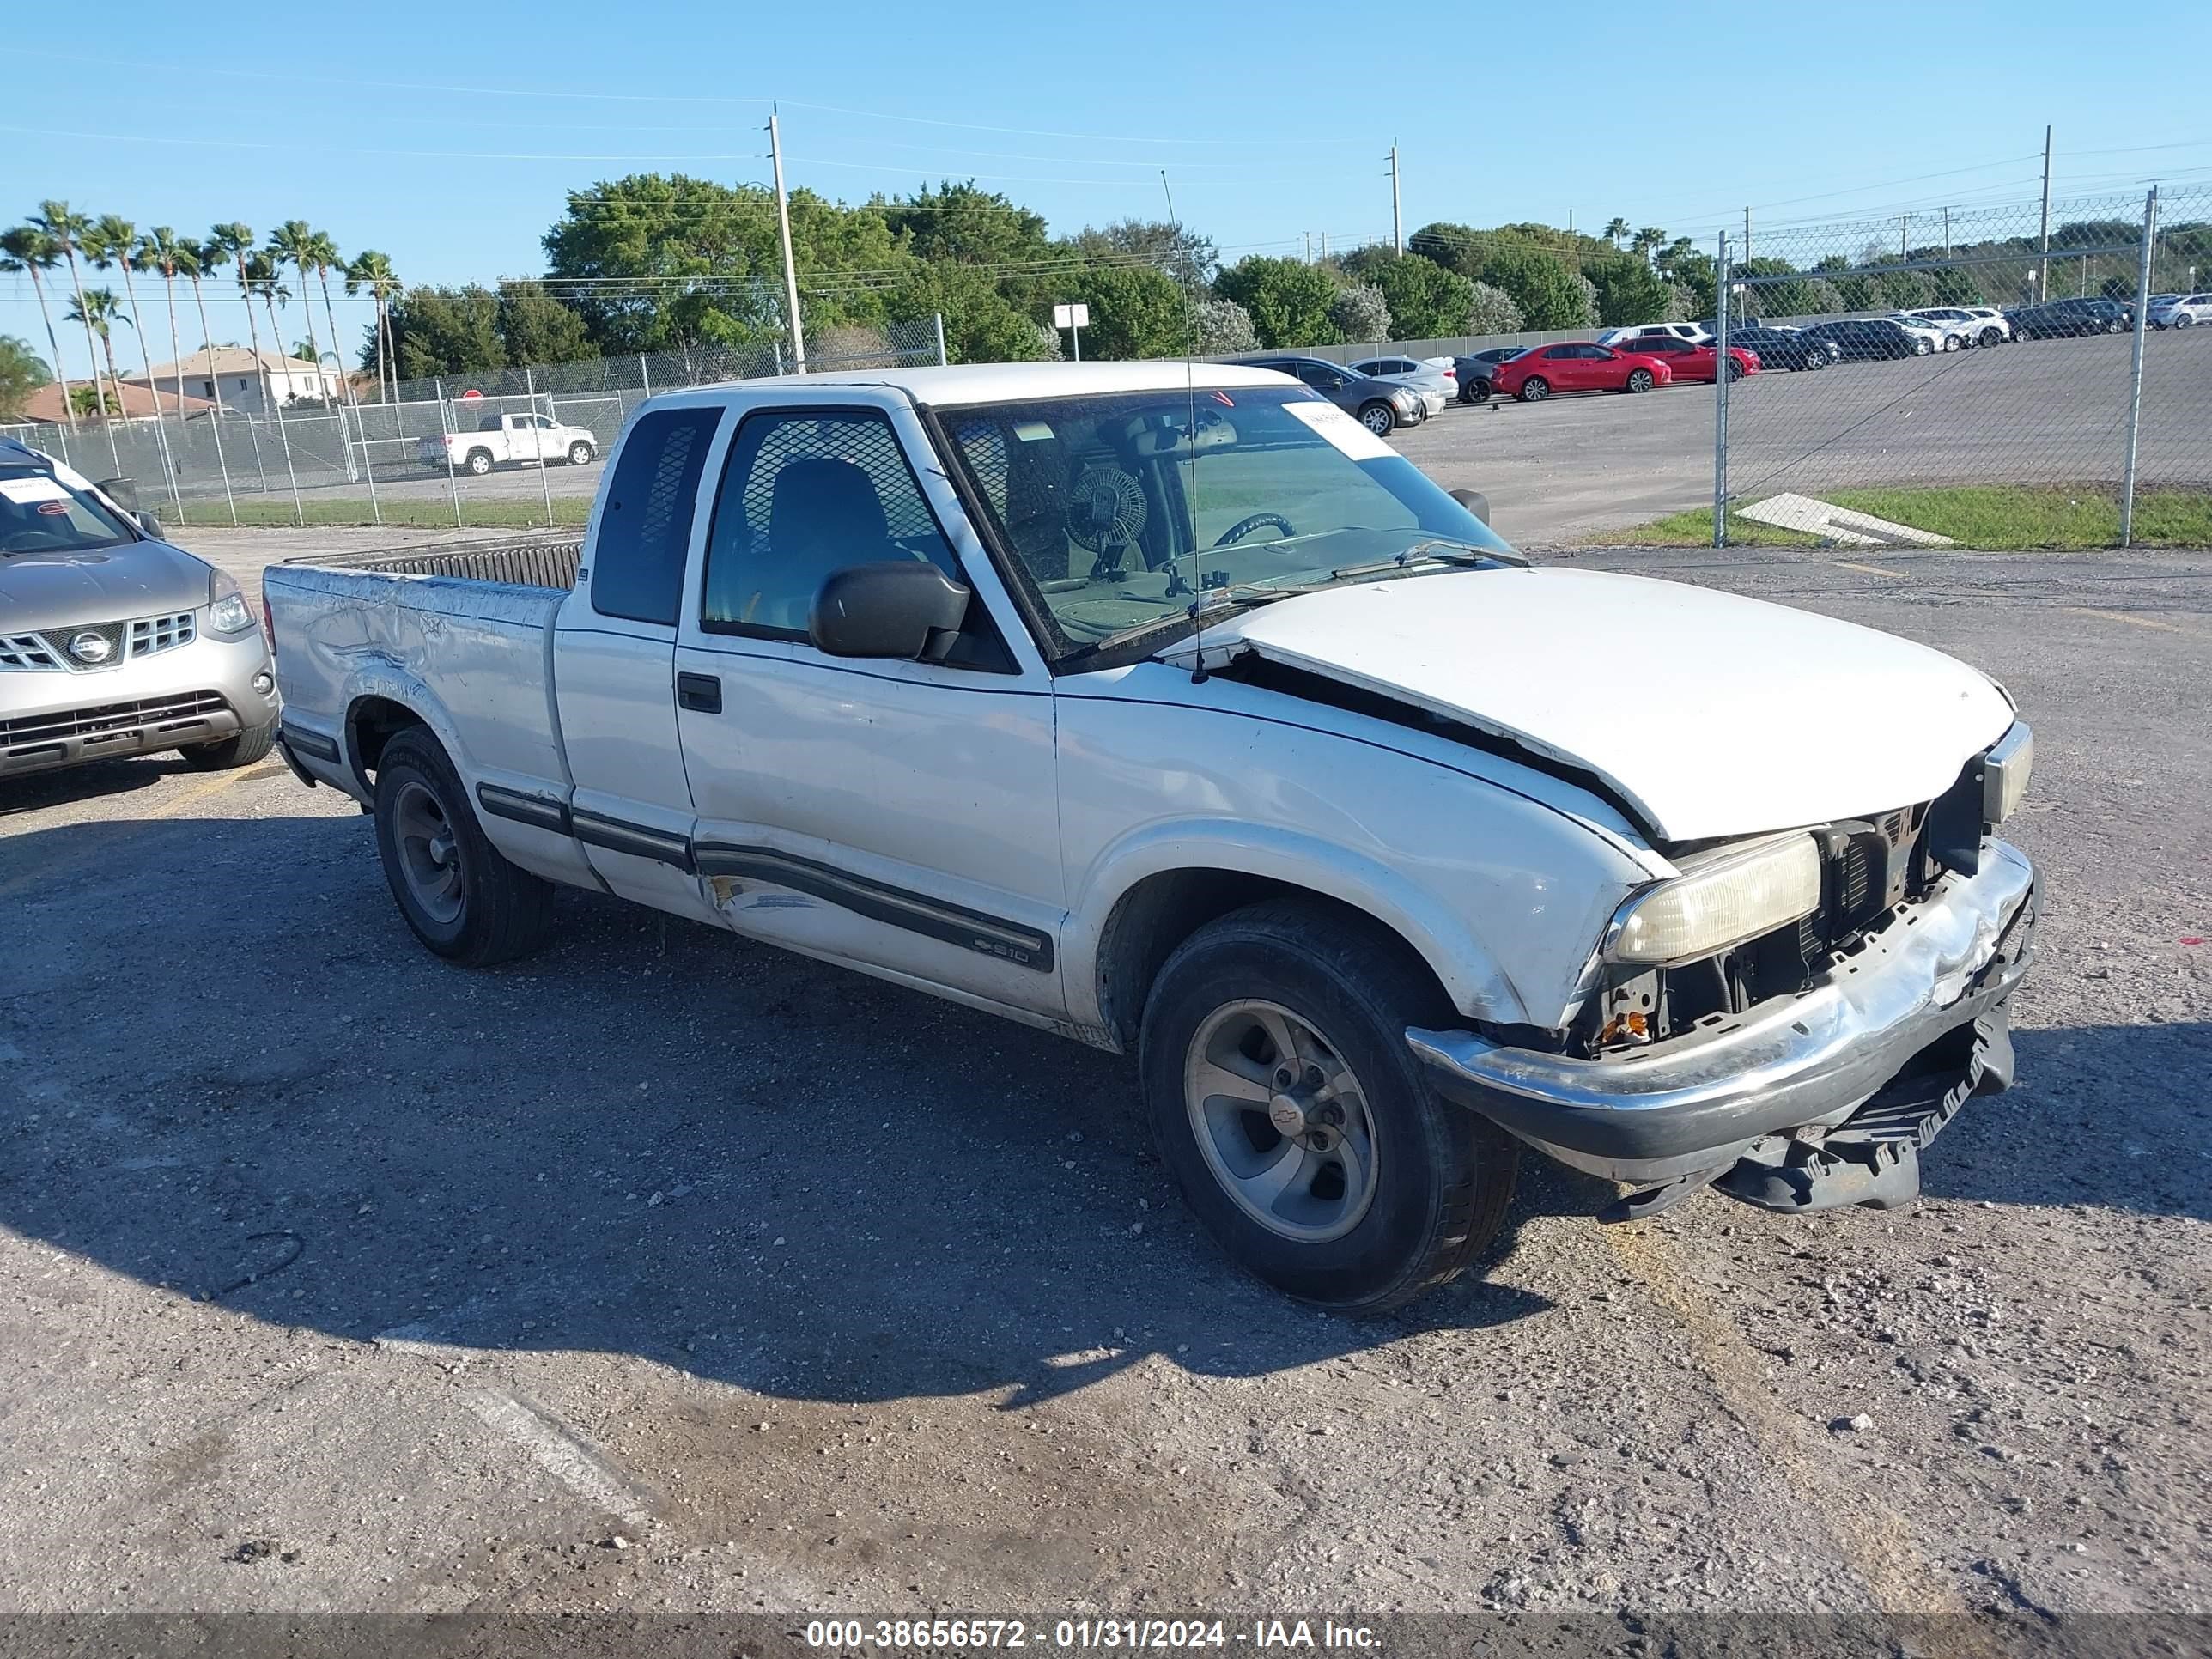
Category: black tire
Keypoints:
(1992, 335)
(501, 912)
(1441, 1176)
(1533, 390)
(1737, 371)
(478, 464)
(1475, 392)
(241, 748)
(2184, 320)
(1639, 380)
(579, 453)
(1378, 417)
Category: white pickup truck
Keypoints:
(509, 440)
(1169, 709)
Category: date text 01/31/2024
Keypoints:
(855, 1635)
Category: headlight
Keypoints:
(2004, 774)
(1737, 894)
(229, 614)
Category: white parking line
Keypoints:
(567, 1459)
(1868, 569)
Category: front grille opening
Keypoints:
(119, 719)
(1870, 868)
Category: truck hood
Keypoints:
(40, 591)
(1707, 715)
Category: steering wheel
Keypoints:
(1243, 527)
(31, 541)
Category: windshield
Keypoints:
(38, 514)
(1126, 509)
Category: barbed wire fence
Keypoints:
(363, 459)
(1965, 349)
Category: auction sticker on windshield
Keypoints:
(1339, 428)
(26, 492)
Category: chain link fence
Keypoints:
(387, 460)
(1926, 368)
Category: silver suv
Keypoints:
(113, 642)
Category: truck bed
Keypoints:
(462, 632)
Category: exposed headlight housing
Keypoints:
(228, 613)
(1722, 899)
(2004, 774)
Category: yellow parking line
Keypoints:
(174, 806)
(1868, 570)
(2122, 617)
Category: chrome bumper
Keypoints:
(200, 693)
(1695, 1101)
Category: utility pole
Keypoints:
(1308, 236)
(790, 271)
(2043, 265)
(1747, 260)
(1905, 239)
(1946, 233)
(1397, 219)
(1324, 247)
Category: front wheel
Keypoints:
(579, 453)
(1639, 380)
(464, 900)
(2184, 320)
(241, 748)
(1298, 1123)
(1533, 390)
(1378, 418)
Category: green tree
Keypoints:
(1615, 229)
(1287, 300)
(1776, 288)
(27, 248)
(373, 270)
(447, 331)
(1962, 286)
(295, 240)
(1628, 292)
(1549, 293)
(22, 373)
(1223, 327)
(965, 224)
(1136, 311)
(656, 259)
(534, 327)
(67, 228)
(1182, 252)
(1426, 301)
(100, 310)
(1492, 312)
(1904, 290)
(1647, 241)
(1360, 312)
(982, 325)
(1693, 273)
(1455, 247)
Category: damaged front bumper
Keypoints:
(1882, 1038)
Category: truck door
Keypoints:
(614, 670)
(894, 815)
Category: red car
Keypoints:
(1689, 361)
(1578, 366)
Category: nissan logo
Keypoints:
(91, 647)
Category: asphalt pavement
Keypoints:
(665, 1271)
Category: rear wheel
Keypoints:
(1735, 371)
(239, 749)
(1992, 335)
(478, 463)
(1639, 380)
(1533, 390)
(1297, 1121)
(464, 900)
(1378, 418)
(1474, 392)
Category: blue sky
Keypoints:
(446, 136)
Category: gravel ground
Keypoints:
(665, 1270)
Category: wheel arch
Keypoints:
(1156, 896)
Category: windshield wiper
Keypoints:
(1425, 552)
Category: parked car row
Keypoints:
(1380, 405)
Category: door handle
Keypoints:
(701, 692)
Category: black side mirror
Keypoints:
(901, 608)
(149, 524)
(1475, 501)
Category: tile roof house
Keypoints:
(252, 382)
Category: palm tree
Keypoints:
(322, 254)
(295, 240)
(29, 248)
(1614, 230)
(100, 311)
(1648, 240)
(115, 241)
(157, 250)
(262, 278)
(195, 260)
(235, 241)
(66, 228)
(373, 270)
